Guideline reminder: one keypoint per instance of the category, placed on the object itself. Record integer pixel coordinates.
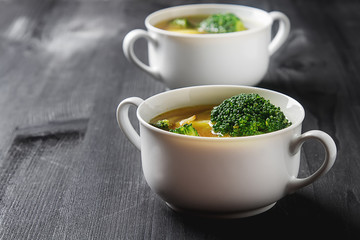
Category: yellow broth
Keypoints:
(201, 122)
(194, 20)
(193, 27)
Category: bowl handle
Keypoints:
(122, 117)
(128, 49)
(282, 33)
(330, 155)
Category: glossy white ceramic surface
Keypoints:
(238, 176)
(180, 60)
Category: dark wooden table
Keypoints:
(68, 172)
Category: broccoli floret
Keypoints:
(186, 129)
(162, 124)
(246, 115)
(181, 23)
(222, 23)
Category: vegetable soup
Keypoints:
(202, 24)
(240, 115)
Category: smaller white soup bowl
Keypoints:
(181, 60)
(222, 176)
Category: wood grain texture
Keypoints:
(68, 172)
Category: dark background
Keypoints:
(68, 172)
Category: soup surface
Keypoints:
(203, 24)
(192, 20)
(198, 116)
(245, 114)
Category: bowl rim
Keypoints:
(215, 139)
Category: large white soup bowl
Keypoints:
(227, 177)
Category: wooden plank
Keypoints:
(35, 176)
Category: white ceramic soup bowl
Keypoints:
(226, 177)
(180, 60)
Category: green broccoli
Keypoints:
(162, 124)
(222, 23)
(181, 23)
(246, 115)
(186, 129)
